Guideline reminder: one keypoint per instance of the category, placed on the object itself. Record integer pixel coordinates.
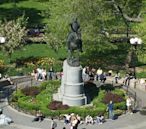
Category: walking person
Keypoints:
(129, 102)
(110, 108)
(117, 76)
(98, 73)
(53, 124)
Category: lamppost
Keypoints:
(2, 40)
(135, 42)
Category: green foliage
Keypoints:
(2, 66)
(14, 32)
(26, 104)
(100, 95)
(98, 101)
(36, 51)
(141, 75)
(119, 92)
(23, 61)
(101, 16)
(121, 105)
(44, 98)
(17, 94)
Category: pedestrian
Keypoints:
(110, 73)
(117, 77)
(4, 120)
(50, 73)
(100, 119)
(103, 77)
(39, 116)
(89, 120)
(0, 76)
(129, 102)
(53, 124)
(74, 122)
(127, 80)
(110, 108)
(67, 118)
(98, 73)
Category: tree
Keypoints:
(14, 31)
(100, 22)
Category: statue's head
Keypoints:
(75, 25)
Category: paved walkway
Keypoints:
(127, 121)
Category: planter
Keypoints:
(143, 111)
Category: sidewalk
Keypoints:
(23, 121)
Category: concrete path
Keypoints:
(127, 121)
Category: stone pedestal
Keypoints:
(71, 91)
(73, 86)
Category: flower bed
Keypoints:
(31, 99)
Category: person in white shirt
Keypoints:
(89, 119)
(129, 104)
(98, 73)
(4, 120)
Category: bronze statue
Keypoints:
(74, 44)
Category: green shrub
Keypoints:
(25, 103)
(16, 95)
(12, 71)
(100, 105)
(101, 95)
(118, 112)
(51, 85)
(47, 88)
(121, 105)
(119, 92)
(141, 75)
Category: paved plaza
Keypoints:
(126, 121)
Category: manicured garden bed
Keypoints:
(35, 98)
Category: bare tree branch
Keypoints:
(125, 16)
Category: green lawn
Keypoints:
(38, 50)
(31, 9)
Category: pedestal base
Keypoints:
(75, 101)
(73, 86)
(71, 91)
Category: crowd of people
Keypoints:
(74, 120)
(92, 74)
(42, 74)
(88, 74)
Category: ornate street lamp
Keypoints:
(2, 40)
(135, 42)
